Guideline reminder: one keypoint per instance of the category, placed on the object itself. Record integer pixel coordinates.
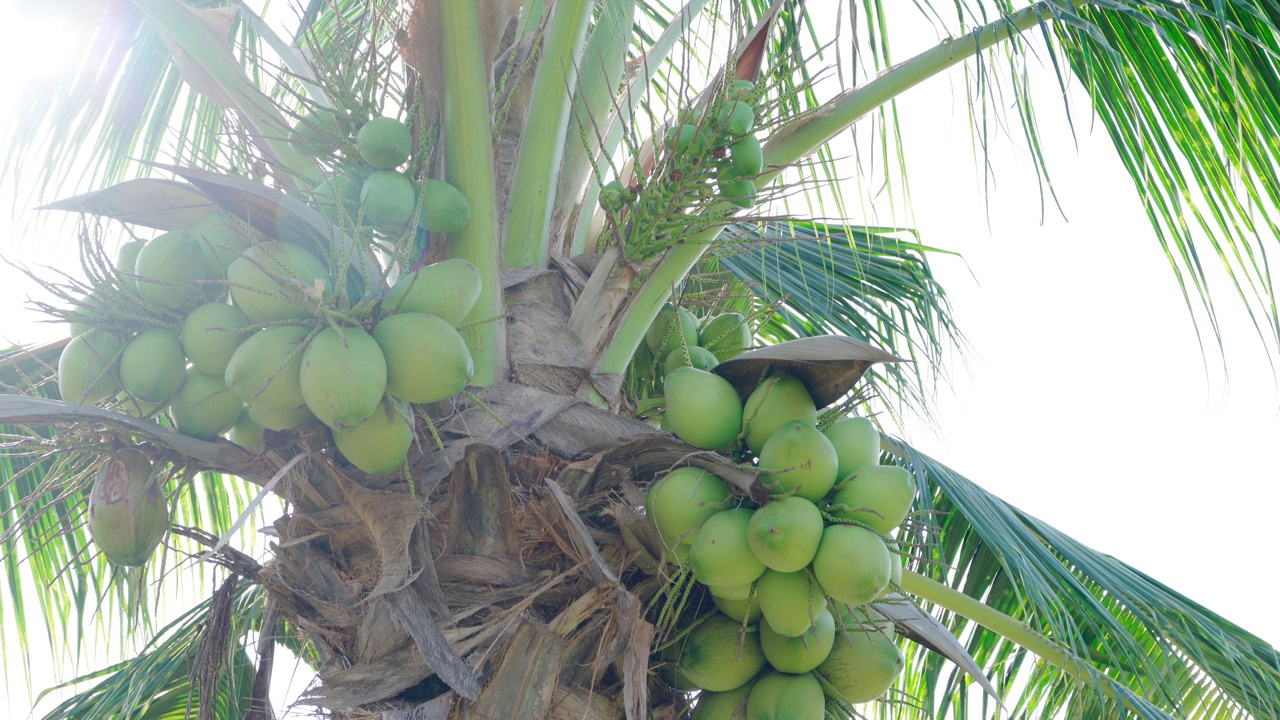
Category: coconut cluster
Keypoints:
(792, 577)
(240, 334)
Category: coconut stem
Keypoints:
(1009, 628)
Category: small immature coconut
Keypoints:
(726, 335)
(127, 511)
(427, 360)
(720, 554)
(204, 407)
(444, 208)
(169, 270)
(447, 289)
(266, 368)
(878, 495)
(780, 399)
(275, 281)
(852, 564)
(679, 502)
(746, 156)
(703, 409)
(343, 376)
(717, 656)
(153, 367)
(700, 358)
(380, 444)
(805, 651)
(384, 143)
(88, 367)
(672, 326)
(799, 458)
(783, 696)
(210, 335)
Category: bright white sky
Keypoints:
(1086, 400)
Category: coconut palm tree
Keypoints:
(504, 565)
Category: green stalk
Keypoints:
(469, 166)
(212, 53)
(598, 78)
(533, 189)
(1007, 627)
(794, 142)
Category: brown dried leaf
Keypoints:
(828, 365)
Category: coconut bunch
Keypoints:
(792, 577)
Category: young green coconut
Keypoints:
(128, 515)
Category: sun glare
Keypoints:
(40, 45)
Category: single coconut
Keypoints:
(784, 534)
(317, 134)
(444, 209)
(380, 444)
(153, 367)
(343, 376)
(805, 651)
(745, 610)
(783, 696)
(204, 407)
(861, 666)
(728, 705)
(857, 443)
(88, 367)
(273, 417)
(878, 495)
(447, 289)
(128, 515)
(703, 409)
(266, 368)
(679, 502)
(427, 360)
(671, 328)
(384, 142)
(799, 459)
(388, 199)
(276, 281)
(210, 335)
(780, 399)
(790, 601)
(700, 358)
(720, 554)
(726, 335)
(169, 270)
(852, 564)
(718, 656)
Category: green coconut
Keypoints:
(317, 134)
(343, 376)
(128, 515)
(339, 195)
(784, 534)
(729, 705)
(444, 208)
(272, 417)
(895, 570)
(805, 651)
(744, 610)
(384, 143)
(703, 409)
(732, 593)
(783, 696)
(700, 358)
(857, 443)
(852, 564)
(679, 502)
(737, 118)
(720, 554)
(380, 444)
(741, 89)
(388, 199)
(718, 656)
(88, 367)
(168, 270)
(221, 242)
(447, 289)
(427, 360)
(204, 407)
(739, 191)
(862, 666)
(276, 281)
(790, 601)
(153, 367)
(246, 433)
(780, 399)
(265, 369)
(798, 458)
(878, 495)
(669, 328)
(127, 263)
(746, 156)
(687, 138)
(210, 335)
(726, 335)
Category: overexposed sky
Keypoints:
(1085, 398)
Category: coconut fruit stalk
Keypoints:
(127, 510)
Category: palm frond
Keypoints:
(1171, 653)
